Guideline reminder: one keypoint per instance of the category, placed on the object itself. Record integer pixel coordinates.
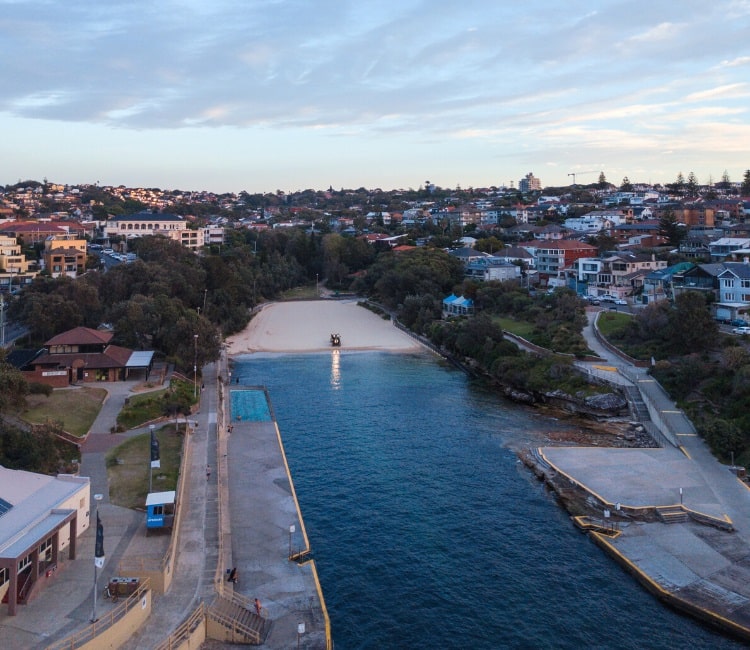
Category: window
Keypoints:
(3, 576)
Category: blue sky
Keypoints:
(260, 95)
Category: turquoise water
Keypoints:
(427, 531)
(250, 405)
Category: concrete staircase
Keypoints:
(244, 625)
(672, 515)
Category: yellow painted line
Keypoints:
(687, 435)
(744, 483)
(607, 368)
(685, 451)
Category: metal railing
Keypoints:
(106, 621)
(184, 630)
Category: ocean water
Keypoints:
(427, 531)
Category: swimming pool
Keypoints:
(249, 405)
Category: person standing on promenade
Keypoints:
(257, 607)
(208, 472)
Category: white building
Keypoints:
(40, 518)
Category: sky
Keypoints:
(266, 95)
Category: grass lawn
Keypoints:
(76, 408)
(129, 464)
(517, 327)
(142, 408)
(612, 321)
(308, 292)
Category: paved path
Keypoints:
(693, 563)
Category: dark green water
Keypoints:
(427, 531)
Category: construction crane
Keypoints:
(573, 174)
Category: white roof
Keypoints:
(160, 498)
(35, 499)
(140, 359)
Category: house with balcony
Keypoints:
(551, 258)
(723, 248)
(492, 268)
(14, 267)
(64, 255)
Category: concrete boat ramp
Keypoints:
(683, 533)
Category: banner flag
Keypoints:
(99, 547)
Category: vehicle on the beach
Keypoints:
(335, 340)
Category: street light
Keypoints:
(291, 531)
(195, 368)
(300, 632)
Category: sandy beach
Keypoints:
(307, 327)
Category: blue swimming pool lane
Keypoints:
(249, 405)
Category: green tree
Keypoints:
(692, 185)
(691, 325)
(602, 184)
(626, 185)
(745, 188)
(671, 229)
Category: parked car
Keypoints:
(621, 301)
(741, 330)
(738, 322)
(607, 298)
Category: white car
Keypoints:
(741, 330)
(621, 301)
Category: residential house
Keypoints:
(657, 285)
(14, 267)
(492, 268)
(552, 257)
(725, 246)
(64, 255)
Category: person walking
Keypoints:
(258, 607)
(208, 472)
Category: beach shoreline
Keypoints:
(306, 326)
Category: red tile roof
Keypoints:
(81, 336)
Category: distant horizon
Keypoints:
(338, 188)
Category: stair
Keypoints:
(637, 405)
(672, 515)
(246, 626)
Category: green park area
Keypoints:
(521, 328)
(129, 465)
(75, 409)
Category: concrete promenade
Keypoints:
(263, 506)
(699, 569)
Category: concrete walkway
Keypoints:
(699, 568)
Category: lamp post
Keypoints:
(291, 531)
(151, 462)
(195, 367)
(97, 560)
(317, 291)
(300, 632)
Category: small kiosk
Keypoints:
(160, 507)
